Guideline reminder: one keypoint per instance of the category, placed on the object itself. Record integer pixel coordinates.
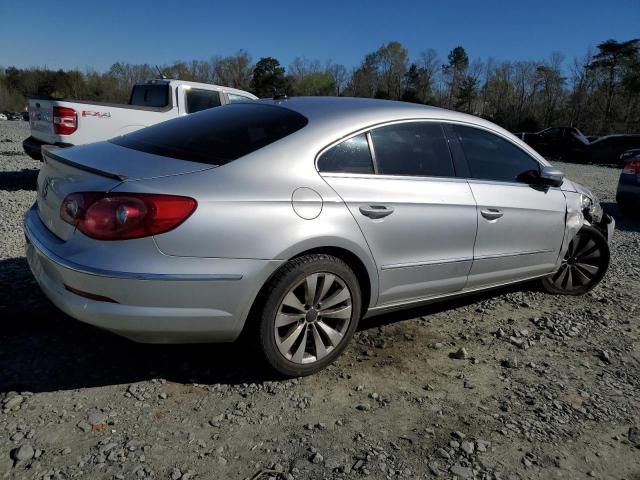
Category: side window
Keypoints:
(234, 98)
(493, 158)
(350, 156)
(150, 96)
(198, 100)
(418, 149)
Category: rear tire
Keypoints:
(583, 266)
(309, 312)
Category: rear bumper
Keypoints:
(151, 307)
(33, 147)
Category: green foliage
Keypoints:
(316, 84)
(268, 78)
(601, 94)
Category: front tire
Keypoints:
(310, 311)
(583, 266)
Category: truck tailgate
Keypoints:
(41, 120)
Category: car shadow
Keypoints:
(625, 221)
(42, 349)
(25, 179)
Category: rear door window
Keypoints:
(150, 96)
(216, 136)
(413, 149)
(198, 100)
(351, 156)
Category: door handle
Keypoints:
(376, 211)
(491, 213)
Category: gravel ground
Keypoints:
(511, 384)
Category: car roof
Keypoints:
(362, 112)
(331, 119)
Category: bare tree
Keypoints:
(234, 70)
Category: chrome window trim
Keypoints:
(507, 184)
(372, 152)
(376, 176)
(99, 272)
(367, 132)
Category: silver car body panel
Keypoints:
(198, 282)
(525, 240)
(419, 250)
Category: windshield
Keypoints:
(218, 135)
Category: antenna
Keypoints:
(162, 75)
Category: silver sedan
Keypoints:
(290, 220)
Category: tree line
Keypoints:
(599, 93)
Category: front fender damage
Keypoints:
(575, 220)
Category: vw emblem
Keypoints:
(45, 187)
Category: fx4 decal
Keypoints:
(89, 113)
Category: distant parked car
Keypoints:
(608, 150)
(3, 116)
(298, 217)
(14, 116)
(628, 155)
(570, 144)
(25, 116)
(556, 142)
(628, 195)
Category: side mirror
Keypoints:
(550, 177)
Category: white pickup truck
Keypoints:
(65, 123)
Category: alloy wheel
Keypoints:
(581, 265)
(313, 318)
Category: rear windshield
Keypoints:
(150, 96)
(218, 135)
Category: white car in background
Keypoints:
(65, 123)
(3, 116)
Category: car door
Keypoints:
(520, 225)
(418, 219)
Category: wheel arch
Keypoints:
(356, 264)
(362, 265)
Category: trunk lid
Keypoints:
(98, 167)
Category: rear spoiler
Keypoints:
(47, 153)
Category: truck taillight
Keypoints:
(122, 216)
(65, 120)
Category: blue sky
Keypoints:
(95, 34)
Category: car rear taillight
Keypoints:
(65, 120)
(632, 167)
(122, 216)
